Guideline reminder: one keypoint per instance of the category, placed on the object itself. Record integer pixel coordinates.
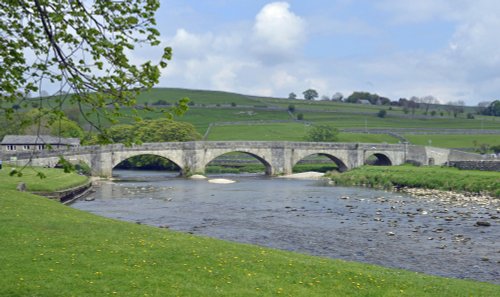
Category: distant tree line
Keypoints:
(410, 105)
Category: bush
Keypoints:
(382, 113)
(300, 116)
(323, 133)
(161, 102)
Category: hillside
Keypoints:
(230, 116)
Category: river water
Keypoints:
(306, 216)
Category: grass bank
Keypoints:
(55, 179)
(49, 249)
(429, 177)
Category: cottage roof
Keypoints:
(39, 139)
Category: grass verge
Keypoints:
(55, 179)
(430, 177)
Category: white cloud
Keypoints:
(278, 32)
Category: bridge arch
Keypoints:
(338, 161)
(378, 159)
(260, 158)
(120, 157)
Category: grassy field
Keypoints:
(49, 249)
(430, 177)
(454, 141)
(285, 132)
(55, 179)
(172, 95)
(268, 132)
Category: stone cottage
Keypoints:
(20, 143)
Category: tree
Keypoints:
(325, 98)
(82, 46)
(493, 109)
(337, 96)
(456, 107)
(374, 99)
(291, 108)
(292, 95)
(413, 104)
(310, 94)
(160, 130)
(322, 133)
(382, 113)
(426, 102)
(163, 130)
(40, 121)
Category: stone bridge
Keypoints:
(278, 157)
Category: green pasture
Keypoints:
(346, 120)
(55, 179)
(454, 140)
(201, 118)
(265, 132)
(285, 132)
(199, 97)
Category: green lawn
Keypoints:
(55, 179)
(49, 249)
(454, 140)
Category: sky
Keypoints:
(449, 49)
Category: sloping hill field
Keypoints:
(229, 116)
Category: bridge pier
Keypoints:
(101, 164)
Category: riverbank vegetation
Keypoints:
(49, 249)
(428, 177)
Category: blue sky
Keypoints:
(395, 48)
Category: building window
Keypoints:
(26, 147)
(11, 147)
(40, 147)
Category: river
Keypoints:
(306, 216)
